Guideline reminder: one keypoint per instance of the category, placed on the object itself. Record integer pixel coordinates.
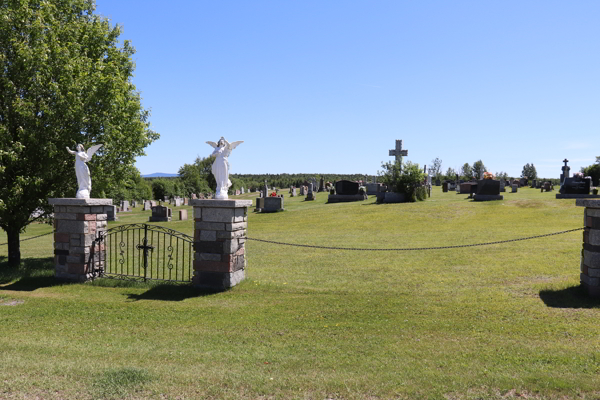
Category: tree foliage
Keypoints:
(436, 168)
(593, 171)
(466, 172)
(450, 174)
(478, 169)
(406, 178)
(529, 171)
(198, 177)
(63, 80)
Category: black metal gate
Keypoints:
(142, 251)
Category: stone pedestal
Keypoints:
(590, 256)
(219, 242)
(77, 223)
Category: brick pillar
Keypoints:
(219, 238)
(590, 255)
(76, 224)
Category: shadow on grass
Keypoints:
(571, 297)
(32, 274)
(172, 292)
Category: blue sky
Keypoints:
(328, 86)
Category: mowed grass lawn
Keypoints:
(499, 321)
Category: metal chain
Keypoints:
(414, 248)
(33, 237)
(393, 249)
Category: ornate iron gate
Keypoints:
(142, 251)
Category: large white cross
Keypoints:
(398, 152)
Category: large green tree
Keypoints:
(478, 169)
(529, 171)
(64, 79)
(198, 177)
(593, 171)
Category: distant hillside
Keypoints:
(160, 175)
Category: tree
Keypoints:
(405, 178)
(63, 81)
(450, 174)
(478, 169)
(198, 177)
(502, 175)
(436, 168)
(466, 171)
(593, 171)
(529, 171)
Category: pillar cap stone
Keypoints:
(220, 203)
(80, 202)
(591, 203)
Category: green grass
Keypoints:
(499, 321)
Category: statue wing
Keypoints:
(235, 144)
(93, 149)
(213, 144)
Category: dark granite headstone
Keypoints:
(489, 187)
(346, 187)
(576, 186)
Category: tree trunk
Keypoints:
(14, 247)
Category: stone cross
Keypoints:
(565, 170)
(398, 152)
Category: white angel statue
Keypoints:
(82, 171)
(220, 167)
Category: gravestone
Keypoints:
(302, 190)
(373, 188)
(124, 206)
(310, 195)
(346, 191)
(321, 185)
(133, 204)
(346, 187)
(293, 192)
(183, 215)
(160, 214)
(445, 187)
(111, 213)
(565, 171)
(147, 206)
(576, 187)
(502, 185)
(269, 204)
(237, 192)
(242, 191)
(438, 182)
(514, 188)
(487, 190)
(194, 197)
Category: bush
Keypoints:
(405, 178)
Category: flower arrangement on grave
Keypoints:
(578, 175)
(594, 190)
(273, 194)
(488, 175)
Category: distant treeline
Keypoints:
(253, 181)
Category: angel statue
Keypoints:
(220, 167)
(82, 171)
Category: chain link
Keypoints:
(392, 249)
(414, 248)
(33, 237)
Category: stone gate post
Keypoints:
(590, 254)
(77, 222)
(219, 239)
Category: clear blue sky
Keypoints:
(328, 86)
